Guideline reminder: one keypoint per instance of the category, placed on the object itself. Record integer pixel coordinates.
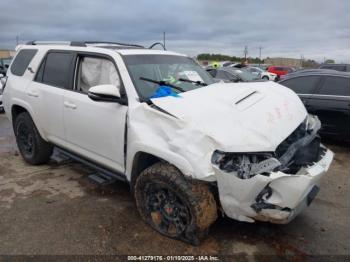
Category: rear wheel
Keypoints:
(173, 205)
(32, 147)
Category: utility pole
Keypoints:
(17, 40)
(245, 52)
(164, 39)
(301, 60)
(260, 47)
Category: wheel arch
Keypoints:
(141, 160)
(17, 109)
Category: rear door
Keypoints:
(305, 87)
(95, 130)
(46, 93)
(331, 103)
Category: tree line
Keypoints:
(220, 57)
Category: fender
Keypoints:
(181, 163)
(26, 106)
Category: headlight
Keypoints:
(245, 165)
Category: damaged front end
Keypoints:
(273, 186)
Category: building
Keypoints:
(6, 53)
(282, 61)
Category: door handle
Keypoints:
(32, 94)
(70, 105)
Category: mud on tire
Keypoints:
(32, 147)
(174, 205)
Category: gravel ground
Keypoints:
(56, 210)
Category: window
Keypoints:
(339, 86)
(335, 67)
(22, 61)
(302, 85)
(212, 72)
(222, 75)
(57, 69)
(96, 71)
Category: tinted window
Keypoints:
(335, 67)
(22, 61)
(39, 75)
(302, 85)
(212, 73)
(336, 86)
(222, 75)
(57, 69)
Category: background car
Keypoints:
(262, 73)
(338, 67)
(2, 81)
(327, 95)
(231, 74)
(280, 70)
(4, 65)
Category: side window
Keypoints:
(22, 61)
(302, 85)
(94, 71)
(212, 72)
(57, 71)
(339, 86)
(222, 75)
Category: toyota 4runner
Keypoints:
(156, 119)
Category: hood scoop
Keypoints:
(247, 99)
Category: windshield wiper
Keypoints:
(162, 83)
(194, 82)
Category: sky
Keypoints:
(316, 29)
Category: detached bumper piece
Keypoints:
(276, 186)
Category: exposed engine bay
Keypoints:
(300, 149)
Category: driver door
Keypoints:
(95, 130)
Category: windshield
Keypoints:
(245, 74)
(168, 68)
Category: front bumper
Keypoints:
(276, 198)
(1, 104)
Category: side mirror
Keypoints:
(106, 93)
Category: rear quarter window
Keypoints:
(22, 60)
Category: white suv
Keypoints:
(157, 120)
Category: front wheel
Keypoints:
(265, 78)
(32, 147)
(173, 205)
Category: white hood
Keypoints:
(239, 117)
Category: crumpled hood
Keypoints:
(239, 117)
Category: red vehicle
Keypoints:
(280, 71)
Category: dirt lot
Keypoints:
(55, 209)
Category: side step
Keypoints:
(99, 174)
(101, 179)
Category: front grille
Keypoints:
(298, 133)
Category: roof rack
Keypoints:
(105, 44)
(82, 43)
(157, 43)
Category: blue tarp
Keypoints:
(164, 91)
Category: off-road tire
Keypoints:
(40, 150)
(194, 197)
